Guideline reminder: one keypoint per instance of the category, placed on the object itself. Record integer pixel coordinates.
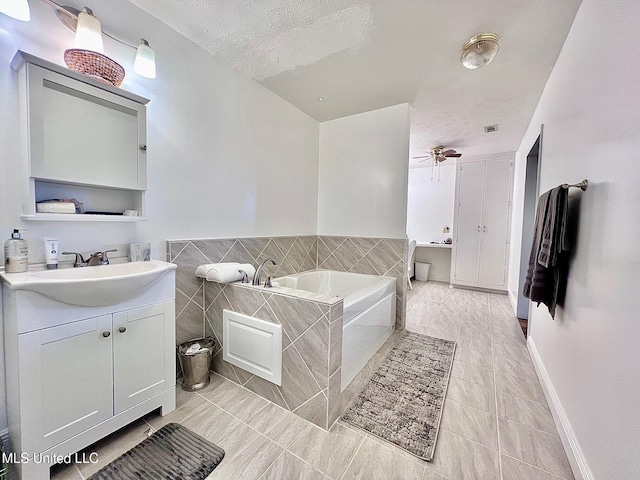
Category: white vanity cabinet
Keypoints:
(78, 373)
(481, 223)
(143, 341)
(66, 381)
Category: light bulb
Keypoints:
(18, 9)
(145, 63)
(88, 32)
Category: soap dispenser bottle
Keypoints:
(16, 253)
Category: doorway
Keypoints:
(528, 224)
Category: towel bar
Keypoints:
(582, 185)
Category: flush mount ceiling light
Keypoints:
(18, 9)
(479, 50)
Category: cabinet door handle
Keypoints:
(484, 228)
(122, 329)
(106, 334)
(143, 147)
(478, 227)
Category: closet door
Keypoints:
(468, 222)
(495, 223)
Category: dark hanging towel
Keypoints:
(545, 277)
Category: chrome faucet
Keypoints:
(97, 258)
(260, 269)
(245, 277)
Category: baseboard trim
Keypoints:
(439, 278)
(513, 301)
(581, 470)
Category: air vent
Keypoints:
(490, 128)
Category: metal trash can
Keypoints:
(422, 271)
(195, 359)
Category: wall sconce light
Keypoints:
(18, 9)
(88, 41)
(145, 63)
(88, 32)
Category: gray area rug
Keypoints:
(402, 403)
(173, 452)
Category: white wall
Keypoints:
(226, 156)
(362, 179)
(590, 353)
(430, 202)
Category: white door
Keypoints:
(468, 225)
(143, 353)
(495, 223)
(66, 381)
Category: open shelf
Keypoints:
(75, 217)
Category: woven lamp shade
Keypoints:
(94, 65)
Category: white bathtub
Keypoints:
(369, 311)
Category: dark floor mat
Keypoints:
(172, 453)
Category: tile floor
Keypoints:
(495, 425)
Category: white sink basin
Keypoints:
(91, 286)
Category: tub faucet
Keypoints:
(245, 277)
(259, 270)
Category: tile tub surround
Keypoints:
(293, 254)
(195, 316)
(311, 348)
(371, 256)
(311, 344)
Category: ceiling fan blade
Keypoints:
(423, 156)
(448, 152)
(454, 155)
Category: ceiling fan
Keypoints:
(439, 155)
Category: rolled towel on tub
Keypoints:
(227, 272)
(202, 270)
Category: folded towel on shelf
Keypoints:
(225, 272)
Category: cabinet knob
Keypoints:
(478, 227)
(106, 334)
(122, 329)
(143, 147)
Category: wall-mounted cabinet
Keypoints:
(83, 139)
(482, 218)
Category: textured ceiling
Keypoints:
(363, 55)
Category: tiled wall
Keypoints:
(293, 254)
(372, 256)
(311, 345)
(312, 340)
